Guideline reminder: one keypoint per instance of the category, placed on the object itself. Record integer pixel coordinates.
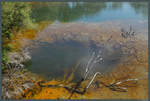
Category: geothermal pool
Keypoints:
(58, 48)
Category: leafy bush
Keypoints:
(15, 16)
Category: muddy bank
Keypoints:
(16, 82)
(86, 31)
(89, 31)
(16, 79)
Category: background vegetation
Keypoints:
(15, 16)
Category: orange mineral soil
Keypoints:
(22, 37)
(131, 71)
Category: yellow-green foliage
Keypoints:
(15, 15)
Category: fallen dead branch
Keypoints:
(120, 86)
(96, 58)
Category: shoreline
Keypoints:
(46, 32)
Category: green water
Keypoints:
(89, 12)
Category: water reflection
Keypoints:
(114, 5)
(66, 12)
(140, 8)
(88, 12)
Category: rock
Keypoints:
(19, 57)
(8, 95)
(15, 90)
(16, 59)
(26, 55)
(28, 85)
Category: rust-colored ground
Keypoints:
(22, 37)
(140, 91)
(132, 70)
(129, 69)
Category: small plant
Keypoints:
(127, 34)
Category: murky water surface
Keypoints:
(54, 58)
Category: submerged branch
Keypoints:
(93, 79)
(120, 86)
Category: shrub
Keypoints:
(15, 16)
